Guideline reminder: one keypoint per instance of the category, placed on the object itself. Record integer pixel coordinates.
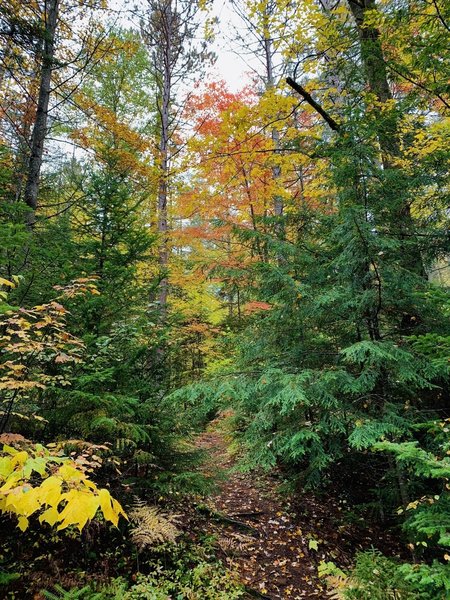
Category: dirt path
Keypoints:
(277, 544)
(271, 550)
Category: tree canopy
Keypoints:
(188, 269)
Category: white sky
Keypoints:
(229, 65)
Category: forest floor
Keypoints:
(275, 543)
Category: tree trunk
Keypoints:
(376, 76)
(163, 227)
(40, 124)
(276, 169)
(387, 129)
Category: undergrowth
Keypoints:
(185, 573)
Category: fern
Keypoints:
(235, 543)
(84, 593)
(151, 526)
(7, 578)
(374, 577)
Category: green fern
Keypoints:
(84, 593)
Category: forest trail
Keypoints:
(272, 550)
(276, 543)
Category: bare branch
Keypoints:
(310, 100)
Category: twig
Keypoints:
(217, 516)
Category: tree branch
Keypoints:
(310, 100)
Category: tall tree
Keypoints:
(50, 20)
(169, 29)
(376, 75)
(47, 56)
(109, 217)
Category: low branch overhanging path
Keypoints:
(274, 545)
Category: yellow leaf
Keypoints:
(80, 508)
(6, 467)
(70, 473)
(23, 502)
(50, 516)
(90, 484)
(50, 491)
(106, 506)
(11, 482)
(19, 458)
(117, 507)
(22, 523)
(111, 508)
(4, 281)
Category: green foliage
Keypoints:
(115, 399)
(436, 347)
(376, 577)
(185, 573)
(315, 414)
(84, 593)
(7, 578)
(426, 519)
(326, 569)
(111, 241)
(430, 581)
(204, 581)
(426, 525)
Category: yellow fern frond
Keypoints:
(151, 526)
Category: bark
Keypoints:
(164, 32)
(22, 157)
(371, 50)
(376, 75)
(334, 125)
(374, 66)
(276, 169)
(25, 130)
(40, 124)
(163, 226)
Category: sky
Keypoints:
(229, 66)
